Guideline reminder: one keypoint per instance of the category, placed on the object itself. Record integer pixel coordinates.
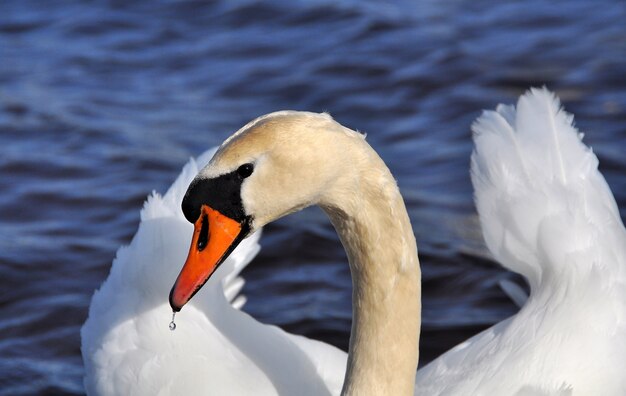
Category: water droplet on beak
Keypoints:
(172, 324)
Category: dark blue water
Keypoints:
(102, 102)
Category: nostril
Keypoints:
(203, 238)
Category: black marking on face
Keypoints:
(222, 193)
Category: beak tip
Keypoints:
(174, 303)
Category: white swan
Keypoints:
(546, 213)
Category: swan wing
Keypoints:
(539, 193)
(547, 213)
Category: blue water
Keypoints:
(102, 102)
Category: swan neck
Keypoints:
(374, 228)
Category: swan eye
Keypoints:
(245, 170)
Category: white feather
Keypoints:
(548, 214)
(514, 292)
(128, 349)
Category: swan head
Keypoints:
(275, 165)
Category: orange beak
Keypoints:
(215, 236)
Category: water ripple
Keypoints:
(101, 103)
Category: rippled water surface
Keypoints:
(103, 102)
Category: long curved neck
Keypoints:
(374, 227)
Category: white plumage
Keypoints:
(216, 349)
(546, 213)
